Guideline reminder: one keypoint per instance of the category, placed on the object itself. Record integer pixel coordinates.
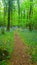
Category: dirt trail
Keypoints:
(20, 56)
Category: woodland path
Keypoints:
(20, 55)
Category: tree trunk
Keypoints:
(18, 2)
(8, 26)
(30, 13)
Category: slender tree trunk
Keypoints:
(30, 13)
(8, 26)
(18, 2)
(4, 16)
(24, 14)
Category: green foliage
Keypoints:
(3, 54)
(2, 30)
(7, 43)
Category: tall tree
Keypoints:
(8, 5)
(18, 2)
(30, 13)
(30, 10)
(10, 10)
(8, 26)
(5, 5)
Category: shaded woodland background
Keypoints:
(20, 13)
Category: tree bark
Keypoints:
(30, 13)
(8, 25)
(18, 2)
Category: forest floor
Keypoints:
(20, 54)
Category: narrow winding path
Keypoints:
(20, 56)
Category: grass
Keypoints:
(7, 42)
(30, 38)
